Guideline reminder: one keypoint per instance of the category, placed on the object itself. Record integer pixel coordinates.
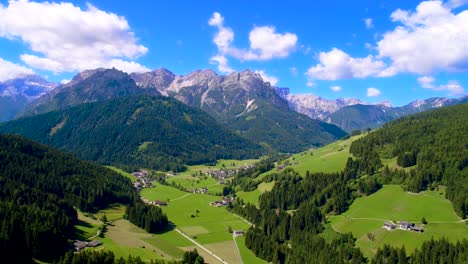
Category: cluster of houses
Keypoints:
(224, 202)
(155, 202)
(403, 225)
(79, 245)
(223, 174)
(202, 190)
(142, 181)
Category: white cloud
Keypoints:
(65, 38)
(336, 64)
(369, 23)
(335, 88)
(453, 87)
(430, 39)
(222, 63)
(9, 70)
(456, 3)
(265, 43)
(372, 92)
(268, 78)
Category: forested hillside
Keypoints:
(39, 190)
(153, 132)
(435, 141)
(39, 187)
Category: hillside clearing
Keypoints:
(367, 215)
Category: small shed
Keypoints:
(94, 243)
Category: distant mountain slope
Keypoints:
(435, 141)
(16, 93)
(362, 117)
(155, 132)
(317, 107)
(242, 101)
(88, 86)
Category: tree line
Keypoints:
(40, 189)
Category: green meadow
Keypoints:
(252, 197)
(366, 216)
(192, 182)
(329, 158)
(192, 214)
(248, 256)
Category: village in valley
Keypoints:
(144, 179)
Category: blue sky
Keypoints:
(398, 51)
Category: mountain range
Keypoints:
(360, 117)
(140, 131)
(241, 101)
(15, 94)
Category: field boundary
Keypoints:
(200, 245)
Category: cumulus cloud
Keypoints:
(456, 3)
(372, 92)
(452, 87)
(9, 70)
(265, 43)
(268, 78)
(369, 23)
(64, 38)
(430, 39)
(337, 64)
(222, 62)
(335, 88)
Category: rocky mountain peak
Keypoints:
(317, 107)
(81, 76)
(28, 86)
(159, 79)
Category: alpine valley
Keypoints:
(205, 168)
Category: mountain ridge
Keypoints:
(141, 131)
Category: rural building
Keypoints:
(160, 203)
(238, 233)
(417, 229)
(405, 225)
(389, 226)
(94, 243)
(79, 245)
(280, 167)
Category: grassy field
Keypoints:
(329, 158)
(367, 215)
(162, 192)
(248, 256)
(190, 183)
(252, 197)
(122, 172)
(192, 214)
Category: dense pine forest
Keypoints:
(41, 187)
(153, 132)
(434, 142)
